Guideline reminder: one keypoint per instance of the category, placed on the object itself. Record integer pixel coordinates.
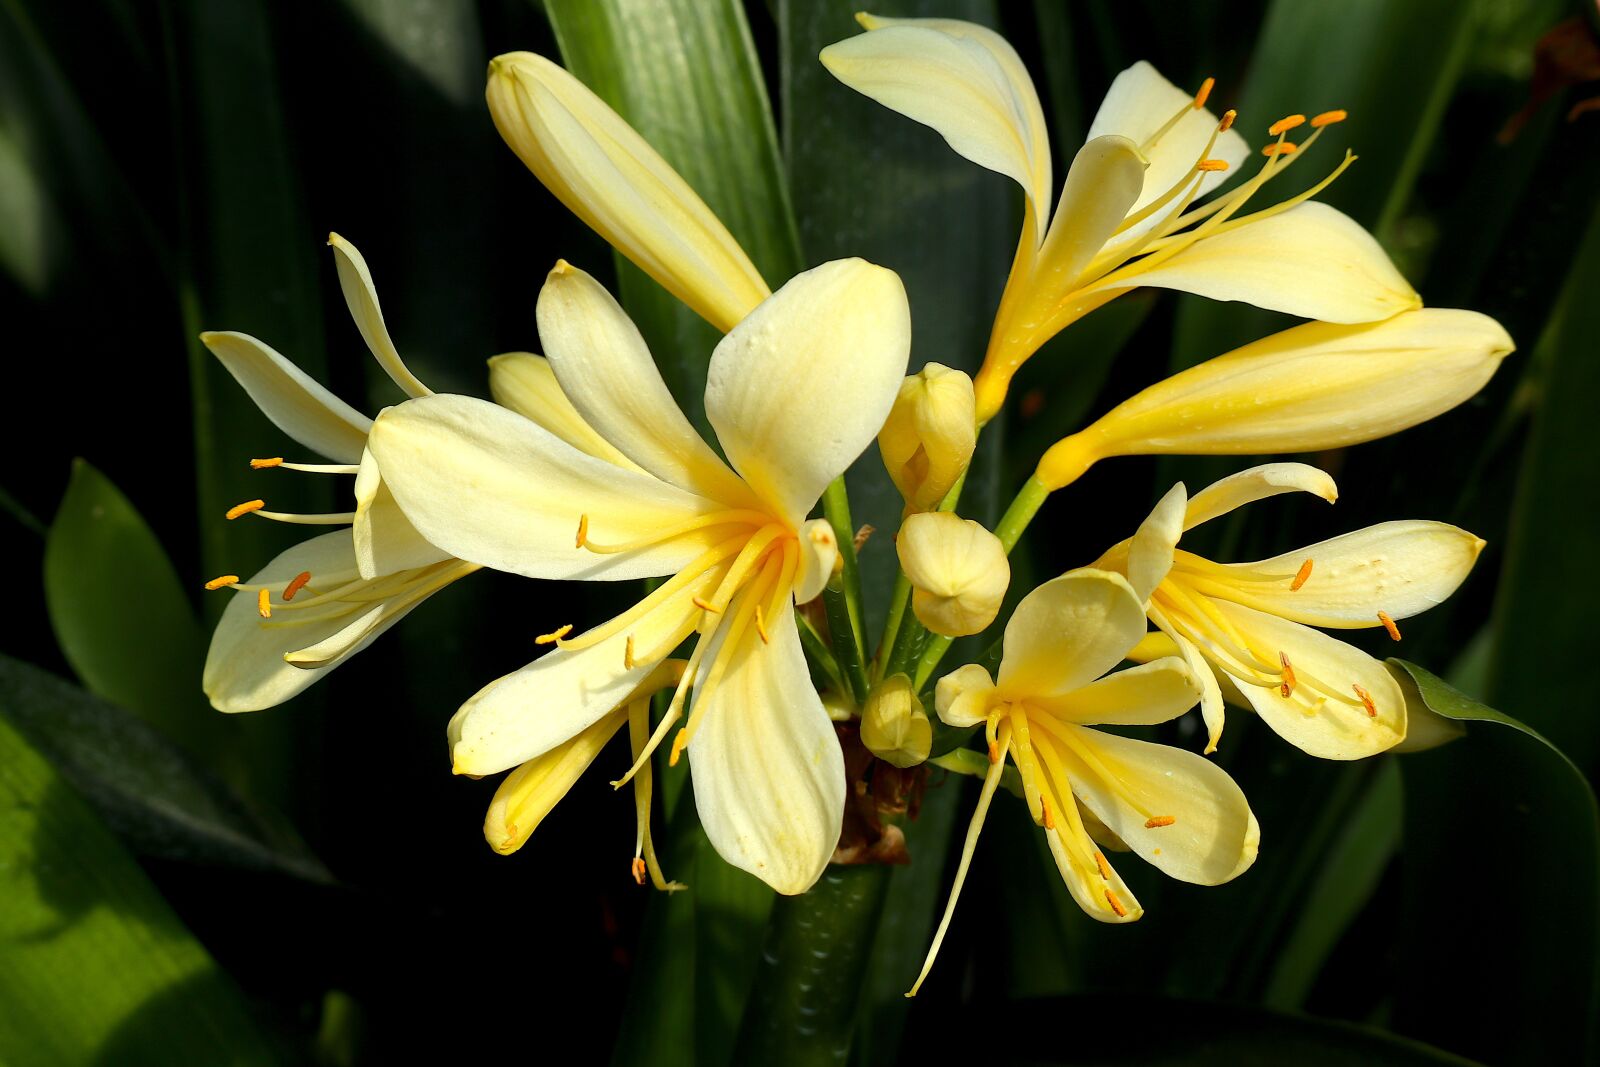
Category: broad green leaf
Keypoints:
(153, 797)
(94, 967)
(1502, 900)
(120, 613)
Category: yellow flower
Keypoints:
(610, 177)
(1175, 809)
(929, 436)
(1126, 217)
(795, 392)
(1251, 622)
(957, 569)
(1308, 388)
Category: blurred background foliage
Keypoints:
(309, 884)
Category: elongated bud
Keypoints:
(1309, 388)
(609, 176)
(893, 725)
(929, 436)
(958, 572)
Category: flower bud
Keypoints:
(928, 438)
(958, 572)
(893, 725)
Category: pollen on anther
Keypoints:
(1388, 624)
(583, 531)
(638, 870)
(1116, 905)
(1287, 688)
(1280, 148)
(627, 654)
(1328, 118)
(264, 604)
(297, 583)
(246, 508)
(222, 581)
(1301, 577)
(677, 748)
(1366, 701)
(994, 752)
(1227, 120)
(1156, 821)
(262, 464)
(1212, 165)
(1044, 811)
(554, 636)
(1204, 94)
(1285, 124)
(1105, 868)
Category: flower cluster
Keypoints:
(584, 468)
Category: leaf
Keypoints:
(94, 967)
(1502, 899)
(152, 797)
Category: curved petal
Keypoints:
(1400, 568)
(1213, 836)
(1141, 101)
(611, 178)
(1103, 184)
(1211, 681)
(606, 371)
(800, 388)
(1068, 632)
(355, 281)
(526, 384)
(532, 791)
(527, 713)
(1258, 483)
(1312, 261)
(1331, 725)
(768, 773)
(1154, 544)
(963, 80)
(385, 541)
(487, 485)
(819, 554)
(962, 697)
(1152, 693)
(285, 394)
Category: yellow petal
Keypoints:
(385, 541)
(1151, 551)
(893, 725)
(1146, 695)
(957, 569)
(355, 280)
(1210, 679)
(487, 485)
(1068, 632)
(295, 403)
(607, 175)
(928, 438)
(1312, 261)
(1258, 483)
(532, 791)
(526, 384)
(804, 383)
(962, 697)
(767, 770)
(963, 80)
(819, 554)
(606, 371)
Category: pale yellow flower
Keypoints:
(957, 569)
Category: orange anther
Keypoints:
(1212, 164)
(1301, 577)
(297, 583)
(260, 464)
(1204, 94)
(627, 654)
(1044, 811)
(1105, 868)
(1388, 624)
(638, 870)
(246, 508)
(1227, 120)
(761, 627)
(994, 752)
(1328, 118)
(1156, 821)
(703, 604)
(1366, 700)
(264, 604)
(1116, 905)
(223, 581)
(1287, 688)
(677, 748)
(583, 531)
(552, 638)
(1280, 148)
(1285, 124)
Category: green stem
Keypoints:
(899, 600)
(817, 651)
(899, 646)
(836, 506)
(846, 650)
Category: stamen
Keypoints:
(1285, 124)
(1212, 165)
(1287, 688)
(262, 464)
(244, 509)
(583, 531)
(337, 518)
(677, 746)
(703, 604)
(1328, 118)
(1301, 577)
(1044, 806)
(994, 752)
(554, 636)
(1280, 148)
(297, 583)
(627, 654)
(1156, 821)
(1388, 624)
(1116, 905)
(1366, 701)
(638, 870)
(1204, 94)
(761, 627)
(264, 604)
(1105, 868)
(1227, 120)
(222, 582)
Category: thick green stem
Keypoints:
(846, 650)
(899, 600)
(818, 652)
(836, 506)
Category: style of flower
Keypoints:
(1252, 622)
(795, 392)
(1127, 214)
(1177, 810)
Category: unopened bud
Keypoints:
(958, 572)
(893, 725)
(928, 439)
